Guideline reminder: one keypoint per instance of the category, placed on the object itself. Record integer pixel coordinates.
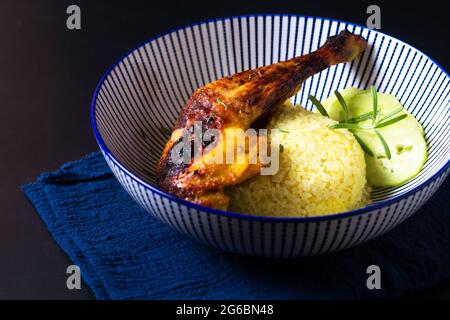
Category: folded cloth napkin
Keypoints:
(125, 253)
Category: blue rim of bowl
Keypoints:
(245, 216)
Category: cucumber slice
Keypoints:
(333, 107)
(359, 102)
(404, 138)
(408, 155)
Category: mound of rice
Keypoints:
(322, 171)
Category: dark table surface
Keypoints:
(48, 74)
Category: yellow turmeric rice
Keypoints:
(321, 171)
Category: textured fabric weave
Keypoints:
(125, 253)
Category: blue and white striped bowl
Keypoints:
(146, 89)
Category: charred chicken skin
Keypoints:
(237, 101)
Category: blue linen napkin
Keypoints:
(125, 253)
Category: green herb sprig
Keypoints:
(222, 103)
(353, 125)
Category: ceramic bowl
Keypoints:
(146, 89)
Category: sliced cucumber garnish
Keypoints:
(408, 155)
(405, 138)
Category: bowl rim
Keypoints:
(246, 216)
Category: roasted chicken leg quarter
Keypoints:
(237, 101)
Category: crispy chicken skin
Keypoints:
(237, 101)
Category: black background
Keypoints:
(48, 74)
